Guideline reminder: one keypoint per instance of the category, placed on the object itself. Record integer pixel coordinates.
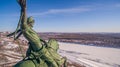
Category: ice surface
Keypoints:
(91, 55)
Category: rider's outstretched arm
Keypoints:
(23, 16)
(27, 31)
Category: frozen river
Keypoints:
(91, 56)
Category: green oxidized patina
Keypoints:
(40, 53)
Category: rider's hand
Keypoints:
(22, 3)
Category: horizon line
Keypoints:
(68, 32)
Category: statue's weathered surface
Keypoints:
(40, 53)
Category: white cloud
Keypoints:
(57, 11)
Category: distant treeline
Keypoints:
(96, 39)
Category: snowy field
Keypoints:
(91, 56)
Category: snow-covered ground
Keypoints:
(10, 45)
(91, 56)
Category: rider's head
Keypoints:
(30, 21)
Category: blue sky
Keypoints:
(64, 15)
